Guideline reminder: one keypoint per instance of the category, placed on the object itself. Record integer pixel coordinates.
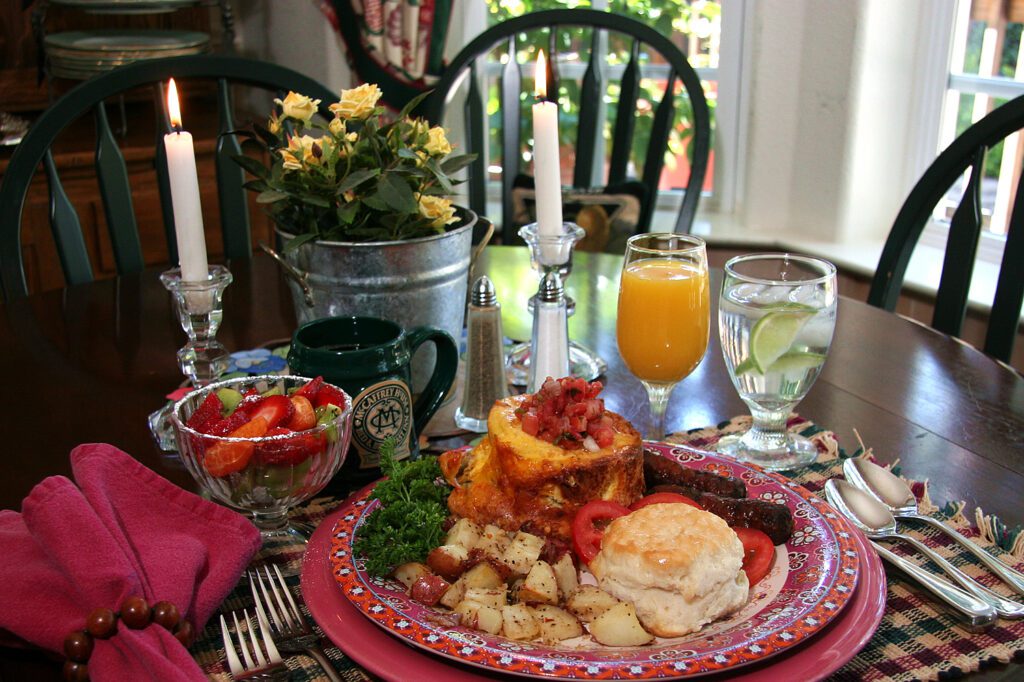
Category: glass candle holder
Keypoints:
(553, 253)
(200, 311)
(202, 359)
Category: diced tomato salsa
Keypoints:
(565, 412)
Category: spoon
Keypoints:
(844, 496)
(893, 492)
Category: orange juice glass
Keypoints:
(664, 314)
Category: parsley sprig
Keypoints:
(413, 507)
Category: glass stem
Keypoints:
(768, 432)
(658, 394)
(270, 520)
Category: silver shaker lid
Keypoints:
(551, 290)
(483, 292)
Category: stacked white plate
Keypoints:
(83, 54)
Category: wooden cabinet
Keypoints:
(74, 151)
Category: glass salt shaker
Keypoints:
(549, 345)
(485, 380)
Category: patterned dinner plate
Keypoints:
(812, 579)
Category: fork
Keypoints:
(257, 663)
(291, 629)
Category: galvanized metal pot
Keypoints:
(413, 283)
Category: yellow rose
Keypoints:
(290, 162)
(358, 103)
(351, 137)
(438, 210)
(337, 127)
(437, 143)
(298, 106)
(274, 125)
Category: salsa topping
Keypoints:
(568, 413)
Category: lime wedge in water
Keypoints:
(773, 335)
(797, 362)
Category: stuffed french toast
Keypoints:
(546, 455)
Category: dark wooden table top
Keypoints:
(89, 363)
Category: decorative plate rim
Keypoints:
(839, 565)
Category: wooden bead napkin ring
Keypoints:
(102, 624)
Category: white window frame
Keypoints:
(938, 136)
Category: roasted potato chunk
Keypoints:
(493, 542)
(555, 623)
(489, 596)
(588, 602)
(483, 575)
(479, 616)
(540, 585)
(517, 622)
(619, 626)
(448, 561)
(454, 594)
(408, 573)
(464, 533)
(523, 552)
(566, 576)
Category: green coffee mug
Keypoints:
(369, 358)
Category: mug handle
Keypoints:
(445, 367)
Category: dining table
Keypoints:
(89, 363)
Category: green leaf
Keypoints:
(347, 212)
(270, 196)
(317, 201)
(356, 178)
(252, 165)
(299, 240)
(407, 153)
(413, 103)
(442, 179)
(396, 195)
(456, 163)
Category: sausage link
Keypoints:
(774, 520)
(660, 470)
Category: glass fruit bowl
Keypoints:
(261, 453)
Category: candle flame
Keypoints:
(173, 107)
(540, 77)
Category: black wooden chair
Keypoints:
(967, 152)
(642, 43)
(111, 170)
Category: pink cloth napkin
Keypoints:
(123, 531)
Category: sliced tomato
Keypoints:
(227, 457)
(586, 533)
(663, 498)
(758, 552)
(303, 416)
(276, 409)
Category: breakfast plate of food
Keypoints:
(565, 546)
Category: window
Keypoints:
(695, 26)
(986, 69)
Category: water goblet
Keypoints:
(663, 315)
(776, 315)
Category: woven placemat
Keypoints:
(916, 639)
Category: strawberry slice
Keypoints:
(330, 395)
(310, 390)
(288, 451)
(208, 411)
(303, 416)
(228, 457)
(276, 409)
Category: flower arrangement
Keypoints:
(356, 179)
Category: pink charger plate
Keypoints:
(388, 657)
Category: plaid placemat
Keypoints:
(916, 639)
